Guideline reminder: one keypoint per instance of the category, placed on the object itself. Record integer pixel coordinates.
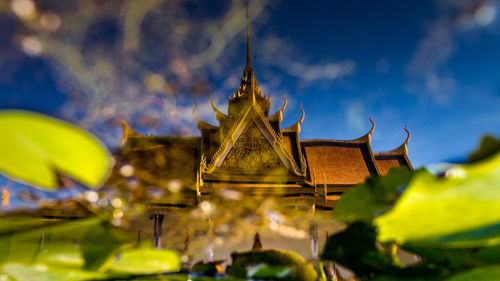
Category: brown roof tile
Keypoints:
(343, 163)
(387, 162)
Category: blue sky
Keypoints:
(432, 65)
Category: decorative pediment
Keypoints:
(250, 138)
(252, 151)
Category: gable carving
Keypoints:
(252, 150)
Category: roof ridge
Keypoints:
(225, 141)
(279, 140)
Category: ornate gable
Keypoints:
(252, 151)
(250, 140)
(251, 131)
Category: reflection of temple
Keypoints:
(250, 152)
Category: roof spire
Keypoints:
(248, 65)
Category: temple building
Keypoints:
(249, 151)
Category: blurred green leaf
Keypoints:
(264, 271)
(144, 260)
(42, 272)
(355, 248)
(462, 207)
(376, 194)
(456, 259)
(207, 278)
(489, 146)
(299, 268)
(44, 242)
(482, 236)
(489, 273)
(34, 146)
(101, 243)
(207, 268)
(418, 272)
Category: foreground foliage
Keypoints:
(273, 264)
(451, 223)
(77, 250)
(35, 147)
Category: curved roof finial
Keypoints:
(219, 115)
(373, 125)
(296, 127)
(407, 137)
(366, 138)
(200, 123)
(278, 116)
(284, 104)
(127, 131)
(303, 114)
(194, 113)
(403, 149)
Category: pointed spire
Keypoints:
(249, 64)
(248, 71)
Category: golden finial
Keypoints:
(248, 40)
(219, 114)
(303, 114)
(373, 125)
(284, 104)
(408, 136)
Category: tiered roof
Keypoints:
(394, 158)
(249, 150)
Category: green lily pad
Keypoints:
(462, 207)
(376, 194)
(488, 273)
(45, 242)
(355, 248)
(42, 272)
(300, 270)
(146, 261)
(101, 243)
(34, 147)
(264, 271)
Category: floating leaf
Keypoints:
(355, 248)
(457, 259)
(34, 147)
(376, 194)
(488, 273)
(300, 269)
(264, 271)
(461, 208)
(44, 242)
(101, 243)
(144, 260)
(42, 272)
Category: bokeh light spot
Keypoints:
(24, 9)
(484, 15)
(31, 46)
